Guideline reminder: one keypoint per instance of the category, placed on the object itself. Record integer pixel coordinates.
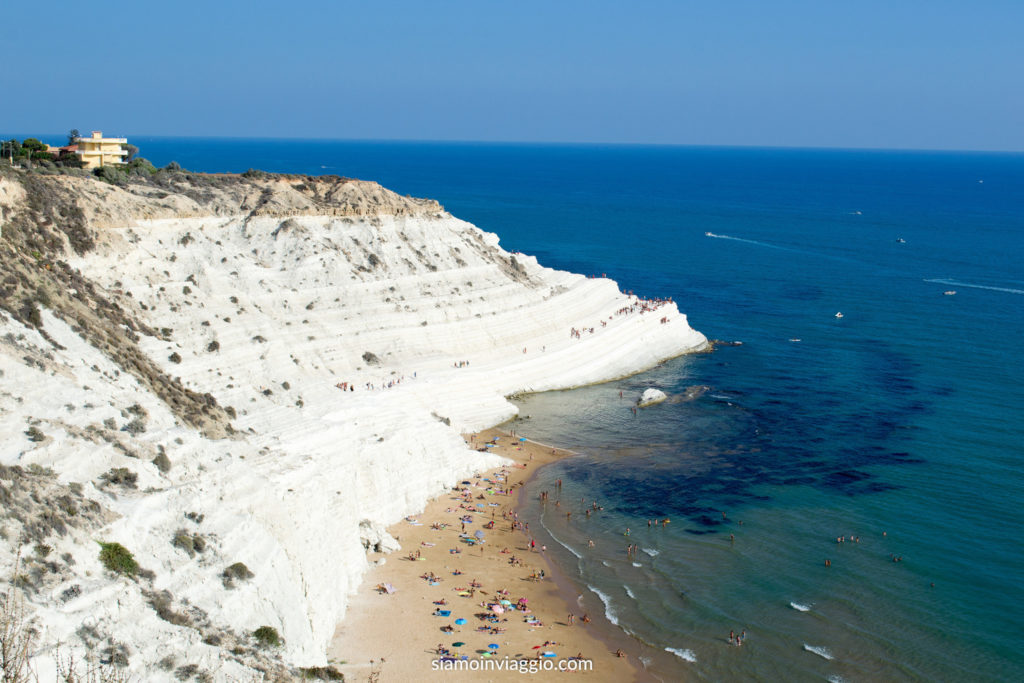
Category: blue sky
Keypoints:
(805, 73)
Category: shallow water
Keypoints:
(898, 424)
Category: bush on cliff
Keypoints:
(118, 559)
(267, 636)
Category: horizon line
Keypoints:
(534, 143)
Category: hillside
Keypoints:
(258, 369)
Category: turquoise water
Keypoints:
(898, 424)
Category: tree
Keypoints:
(73, 135)
(131, 149)
(33, 145)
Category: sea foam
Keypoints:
(819, 650)
(685, 654)
(800, 608)
(609, 611)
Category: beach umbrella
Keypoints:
(506, 603)
(478, 533)
(497, 609)
(493, 646)
(549, 654)
(458, 644)
(522, 439)
(460, 621)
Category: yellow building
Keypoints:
(97, 150)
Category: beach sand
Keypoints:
(394, 637)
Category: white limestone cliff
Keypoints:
(423, 318)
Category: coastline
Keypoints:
(576, 597)
(364, 640)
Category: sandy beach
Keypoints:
(396, 636)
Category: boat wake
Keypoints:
(779, 247)
(944, 281)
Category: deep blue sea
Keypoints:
(899, 427)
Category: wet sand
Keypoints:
(395, 637)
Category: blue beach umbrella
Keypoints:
(478, 534)
(493, 646)
(460, 621)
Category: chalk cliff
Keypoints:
(265, 370)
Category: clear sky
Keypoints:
(935, 74)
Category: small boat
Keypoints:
(794, 339)
(950, 292)
(900, 240)
(839, 315)
(709, 234)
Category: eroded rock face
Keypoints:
(340, 335)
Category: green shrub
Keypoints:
(34, 434)
(267, 636)
(121, 476)
(118, 559)
(321, 673)
(174, 357)
(135, 427)
(183, 540)
(111, 174)
(162, 462)
(238, 571)
(213, 346)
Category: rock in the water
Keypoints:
(650, 397)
